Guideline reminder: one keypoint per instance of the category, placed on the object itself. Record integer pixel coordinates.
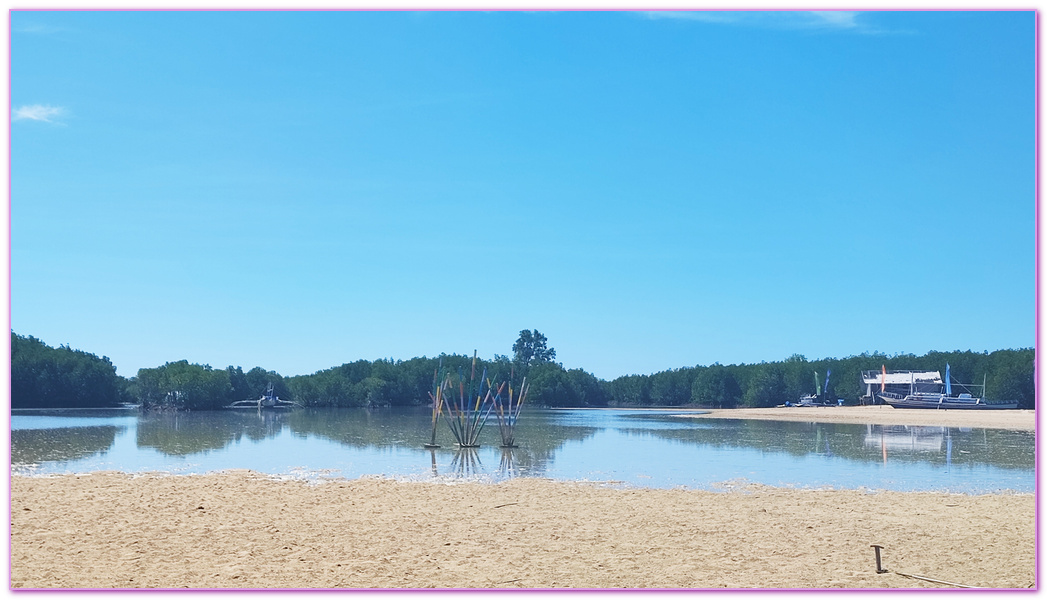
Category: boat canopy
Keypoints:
(900, 377)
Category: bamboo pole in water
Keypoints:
(467, 415)
(436, 408)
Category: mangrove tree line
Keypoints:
(42, 376)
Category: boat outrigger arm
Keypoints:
(267, 400)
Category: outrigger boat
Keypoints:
(268, 400)
(943, 398)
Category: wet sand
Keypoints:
(243, 530)
(1024, 420)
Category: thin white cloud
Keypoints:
(38, 112)
(841, 19)
(829, 20)
(691, 15)
(37, 28)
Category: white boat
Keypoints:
(268, 400)
(809, 400)
(816, 398)
(920, 396)
(927, 400)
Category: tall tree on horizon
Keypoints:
(532, 347)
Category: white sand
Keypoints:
(240, 529)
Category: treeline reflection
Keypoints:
(867, 443)
(543, 434)
(33, 446)
(181, 434)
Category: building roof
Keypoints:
(901, 377)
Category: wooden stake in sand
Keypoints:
(880, 569)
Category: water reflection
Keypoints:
(900, 438)
(33, 446)
(649, 448)
(466, 463)
(181, 434)
(866, 443)
(507, 462)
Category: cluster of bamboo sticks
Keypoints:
(508, 415)
(467, 413)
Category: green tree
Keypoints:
(258, 380)
(768, 386)
(630, 390)
(671, 388)
(184, 386)
(46, 377)
(241, 389)
(715, 386)
(531, 348)
(588, 388)
(549, 385)
(1013, 378)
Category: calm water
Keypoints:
(637, 448)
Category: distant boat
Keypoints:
(816, 398)
(943, 398)
(268, 400)
(809, 400)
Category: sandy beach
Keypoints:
(240, 529)
(1019, 420)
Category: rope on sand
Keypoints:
(921, 577)
(880, 569)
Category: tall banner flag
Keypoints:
(883, 379)
(948, 381)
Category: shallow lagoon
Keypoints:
(645, 448)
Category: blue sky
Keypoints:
(649, 190)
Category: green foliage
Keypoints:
(531, 348)
(551, 385)
(258, 380)
(716, 387)
(366, 384)
(183, 386)
(1009, 375)
(240, 387)
(60, 377)
(46, 377)
(671, 388)
(630, 390)
(768, 387)
(588, 389)
(1013, 378)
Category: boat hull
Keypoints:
(940, 402)
(255, 406)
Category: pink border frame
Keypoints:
(1037, 367)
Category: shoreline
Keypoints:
(1014, 419)
(247, 530)
(241, 529)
